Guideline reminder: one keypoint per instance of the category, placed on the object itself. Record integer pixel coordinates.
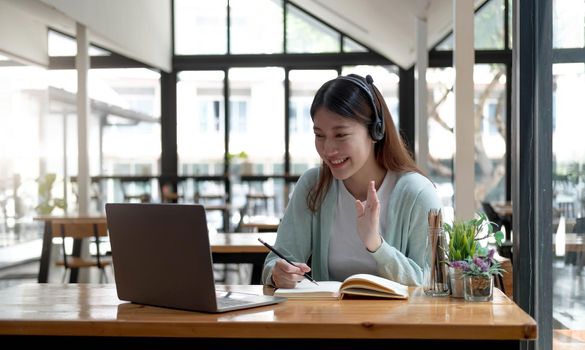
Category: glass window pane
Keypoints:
(446, 44)
(568, 203)
(304, 34)
(303, 86)
(200, 122)
(62, 45)
(489, 28)
(490, 124)
(256, 26)
(386, 80)
(352, 46)
(130, 139)
(257, 105)
(26, 148)
(257, 129)
(568, 24)
(200, 27)
(510, 25)
(124, 129)
(490, 121)
(440, 130)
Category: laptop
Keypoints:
(162, 257)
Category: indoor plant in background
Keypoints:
(239, 164)
(464, 244)
(46, 201)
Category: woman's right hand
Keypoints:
(284, 275)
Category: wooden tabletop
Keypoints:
(240, 242)
(574, 242)
(74, 218)
(94, 310)
(503, 208)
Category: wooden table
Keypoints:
(240, 248)
(70, 315)
(574, 242)
(259, 223)
(503, 208)
(259, 226)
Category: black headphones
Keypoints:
(377, 127)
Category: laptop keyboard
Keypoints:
(228, 302)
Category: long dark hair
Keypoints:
(349, 100)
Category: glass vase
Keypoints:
(478, 288)
(436, 270)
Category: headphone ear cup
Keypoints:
(377, 130)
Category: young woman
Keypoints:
(365, 209)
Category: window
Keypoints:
(350, 45)
(200, 27)
(200, 122)
(303, 86)
(304, 34)
(490, 100)
(568, 24)
(256, 26)
(239, 115)
(489, 28)
(258, 97)
(63, 45)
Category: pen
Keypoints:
(285, 259)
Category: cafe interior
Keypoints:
(195, 101)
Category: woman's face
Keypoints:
(343, 143)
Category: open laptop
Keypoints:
(162, 257)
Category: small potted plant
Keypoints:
(464, 244)
(239, 163)
(478, 276)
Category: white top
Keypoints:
(347, 254)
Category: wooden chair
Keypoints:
(505, 282)
(576, 258)
(79, 229)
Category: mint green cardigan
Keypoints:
(303, 234)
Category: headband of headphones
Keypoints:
(366, 85)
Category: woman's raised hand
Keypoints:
(368, 219)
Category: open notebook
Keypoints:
(364, 285)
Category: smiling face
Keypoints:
(345, 146)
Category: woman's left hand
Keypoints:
(368, 219)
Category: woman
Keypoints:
(365, 209)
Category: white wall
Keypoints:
(22, 37)
(139, 29)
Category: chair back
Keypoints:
(79, 228)
(491, 213)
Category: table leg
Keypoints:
(257, 273)
(45, 253)
(226, 221)
(256, 259)
(74, 275)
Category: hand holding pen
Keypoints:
(289, 269)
